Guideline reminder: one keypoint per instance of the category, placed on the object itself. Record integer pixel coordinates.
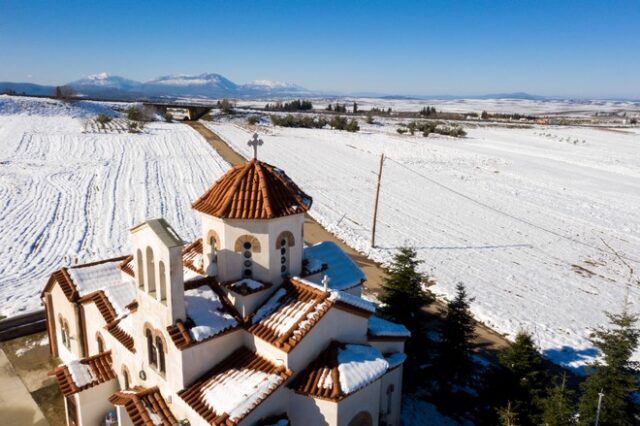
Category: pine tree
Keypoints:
(454, 363)
(616, 376)
(403, 298)
(558, 406)
(402, 293)
(507, 416)
(355, 107)
(523, 378)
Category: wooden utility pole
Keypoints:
(375, 209)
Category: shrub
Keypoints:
(253, 120)
(297, 105)
(103, 119)
(134, 113)
(226, 106)
(290, 120)
(135, 126)
(370, 119)
(168, 117)
(401, 130)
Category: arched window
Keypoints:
(163, 282)
(100, 343)
(151, 351)
(363, 418)
(63, 335)
(151, 272)
(140, 271)
(390, 390)
(160, 350)
(125, 377)
(214, 245)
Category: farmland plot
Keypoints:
(69, 196)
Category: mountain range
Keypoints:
(206, 85)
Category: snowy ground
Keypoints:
(516, 214)
(70, 196)
(522, 106)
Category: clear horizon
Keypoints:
(569, 49)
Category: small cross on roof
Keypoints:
(255, 142)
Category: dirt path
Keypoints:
(488, 340)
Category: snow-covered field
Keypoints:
(518, 215)
(70, 196)
(522, 106)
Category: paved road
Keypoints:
(17, 407)
(488, 340)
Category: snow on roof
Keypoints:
(395, 359)
(380, 327)
(359, 365)
(342, 271)
(105, 276)
(80, 373)
(239, 390)
(246, 286)
(207, 312)
(271, 305)
(342, 369)
(234, 387)
(355, 301)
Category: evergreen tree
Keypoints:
(355, 107)
(521, 378)
(616, 376)
(508, 417)
(403, 298)
(454, 363)
(558, 406)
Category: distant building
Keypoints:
(243, 326)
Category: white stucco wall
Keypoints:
(366, 399)
(308, 411)
(392, 378)
(93, 403)
(387, 346)
(199, 359)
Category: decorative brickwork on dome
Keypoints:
(254, 190)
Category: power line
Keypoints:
(509, 215)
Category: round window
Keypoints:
(283, 243)
(283, 250)
(247, 263)
(247, 245)
(248, 273)
(283, 269)
(283, 260)
(247, 254)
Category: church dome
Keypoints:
(253, 190)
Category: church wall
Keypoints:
(366, 399)
(277, 403)
(123, 416)
(308, 411)
(392, 378)
(293, 224)
(68, 310)
(334, 325)
(95, 323)
(264, 349)
(199, 359)
(93, 403)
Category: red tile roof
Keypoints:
(323, 369)
(239, 366)
(253, 190)
(299, 308)
(192, 256)
(100, 365)
(140, 401)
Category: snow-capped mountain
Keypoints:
(274, 86)
(207, 84)
(105, 80)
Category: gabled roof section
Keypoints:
(85, 373)
(235, 387)
(246, 286)
(145, 407)
(343, 369)
(192, 256)
(289, 314)
(163, 230)
(253, 190)
(382, 329)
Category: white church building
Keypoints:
(243, 326)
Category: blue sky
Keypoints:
(558, 48)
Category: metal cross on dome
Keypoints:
(255, 142)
